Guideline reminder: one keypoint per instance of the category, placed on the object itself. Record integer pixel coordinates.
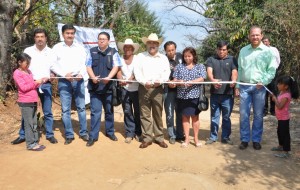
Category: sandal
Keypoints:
(184, 145)
(278, 148)
(282, 155)
(198, 144)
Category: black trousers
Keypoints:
(283, 133)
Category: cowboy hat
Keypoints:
(128, 42)
(152, 37)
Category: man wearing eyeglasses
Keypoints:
(102, 62)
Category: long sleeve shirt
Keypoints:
(41, 61)
(27, 88)
(69, 59)
(150, 68)
(277, 55)
(256, 65)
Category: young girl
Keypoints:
(27, 100)
(188, 94)
(288, 89)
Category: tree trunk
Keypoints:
(7, 10)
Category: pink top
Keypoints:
(284, 113)
(26, 86)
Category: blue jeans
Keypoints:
(251, 96)
(170, 104)
(68, 89)
(220, 103)
(46, 100)
(131, 108)
(97, 101)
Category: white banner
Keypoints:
(88, 37)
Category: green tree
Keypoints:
(7, 10)
(137, 22)
(282, 25)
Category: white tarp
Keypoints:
(88, 37)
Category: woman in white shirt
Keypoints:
(130, 97)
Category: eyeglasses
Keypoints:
(102, 39)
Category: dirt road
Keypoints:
(117, 165)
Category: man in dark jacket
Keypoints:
(103, 62)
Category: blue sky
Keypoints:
(177, 34)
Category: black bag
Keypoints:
(203, 100)
(116, 93)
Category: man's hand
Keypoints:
(259, 85)
(95, 79)
(123, 83)
(78, 77)
(217, 85)
(45, 79)
(148, 85)
(51, 76)
(171, 85)
(237, 92)
(232, 85)
(157, 83)
(105, 80)
(69, 77)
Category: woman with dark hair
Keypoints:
(188, 94)
(27, 100)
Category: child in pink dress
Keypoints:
(288, 89)
(27, 100)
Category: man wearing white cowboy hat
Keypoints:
(130, 96)
(151, 71)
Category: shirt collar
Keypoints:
(172, 59)
(261, 46)
(45, 48)
(103, 50)
(217, 57)
(156, 55)
(73, 44)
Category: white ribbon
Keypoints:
(166, 82)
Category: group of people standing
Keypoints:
(150, 81)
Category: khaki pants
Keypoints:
(151, 100)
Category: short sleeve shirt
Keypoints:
(222, 69)
(283, 114)
(183, 73)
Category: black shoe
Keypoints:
(52, 140)
(90, 142)
(68, 141)
(227, 141)
(243, 145)
(256, 145)
(182, 139)
(84, 138)
(17, 141)
(113, 137)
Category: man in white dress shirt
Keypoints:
(151, 70)
(70, 65)
(42, 60)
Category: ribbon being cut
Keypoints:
(170, 82)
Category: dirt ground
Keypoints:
(117, 165)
